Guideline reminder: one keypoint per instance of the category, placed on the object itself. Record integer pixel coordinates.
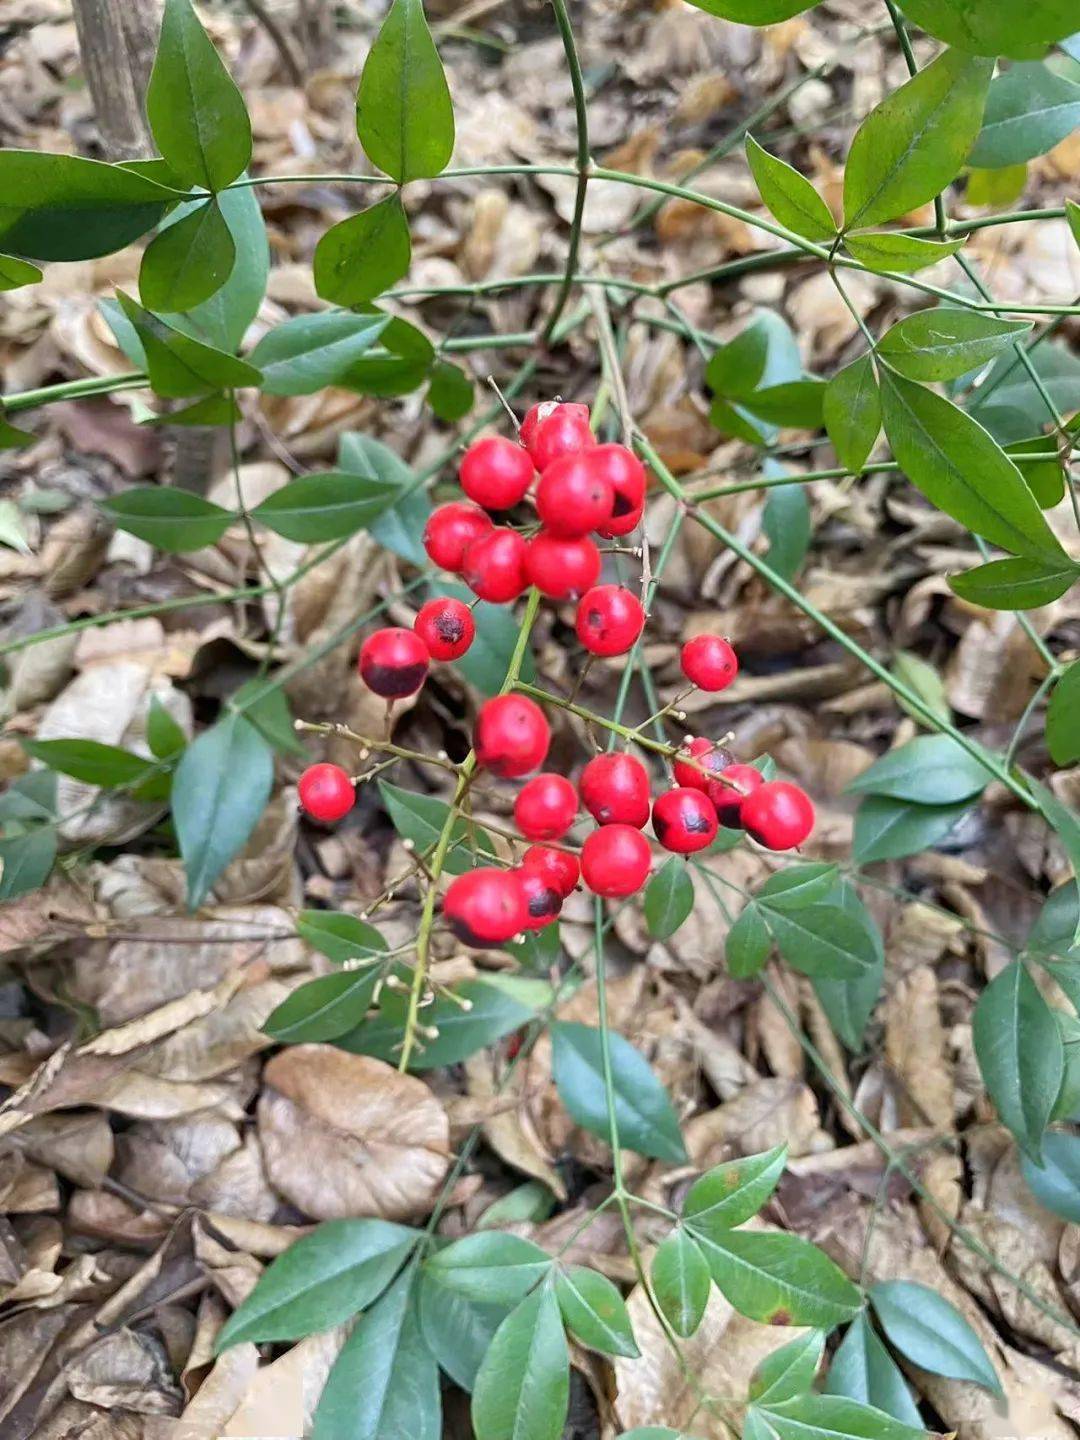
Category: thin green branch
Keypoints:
(584, 164)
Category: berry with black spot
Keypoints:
(614, 788)
(496, 472)
(326, 792)
(545, 807)
(393, 662)
(729, 798)
(446, 626)
(450, 530)
(562, 569)
(486, 906)
(708, 760)
(511, 736)
(615, 861)
(542, 901)
(609, 620)
(560, 868)
(558, 429)
(494, 566)
(684, 820)
(778, 815)
(573, 496)
(626, 476)
(709, 662)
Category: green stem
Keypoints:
(72, 390)
(584, 164)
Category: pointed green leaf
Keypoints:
(223, 320)
(863, 1370)
(904, 254)
(822, 940)
(490, 1266)
(848, 1004)
(789, 195)
(451, 392)
(458, 1331)
(834, 1417)
(309, 352)
(946, 343)
(1063, 718)
(404, 117)
(361, 257)
(786, 523)
(918, 675)
(91, 762)
(680, 1280)
(669, 898)
(793, 403)
(167, 518)
(1065, 822)
(748, 943)
(797, 886)
(1020, 1054)
(400, 527)
(522, 1391)
(1029, 109)
(180, 366)
(594, 1311)
(779, 1279)
(851, 410)
(164, 734)
(16, 273)
(731, 1193)
(187, 262)
(1056, 1182)
(324, 1008)
(888, 829)
(753, 12)
(789, 1371)
(1019, 583)
(995, 27)
(929, 770)
(420, 818)
(931, 1332)
(339, 937)
(330, 506)
(25, 861)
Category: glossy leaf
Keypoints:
(789, 1371)
(179, 365)
(339, 937)
(848, 1004)
(420, 818)
(196, 113)
(319, 1281)
(822, 939)
(1020, 1054)
(644, 1114)
(324, 1008)
(187, 262)
(220, 790)
(863, 1370)
(308, 352)
(458, 1331)
(91, 762)
(912, 145)
(887, 829)
(731, 1193)
(1056, 1182)
(1054, 931)
(780, 1279)
(946, 343)
(669, 898)
(996, 189)
(331, 506)
(834, 1417)
(763, 354)
(748, 943)
(795, 403)
(851, 410)
(680, 1281)
(931, 1332)
(929, 770)
(1019, 583)
(400, 527)
(1029, 109)
(522, 1391)
(168, 518)
(1063, 718)
(164, 734)
(1040, 464)
(797, 886)
(995, 27)
(490, 1266)
(266, 705)
(360, 257)
(786, 523)
(404, 117)
(25, 861)
(789, 195)
(594, 1312)
(961, 469)
(223, 320)
(904, 254)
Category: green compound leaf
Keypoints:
(789, 1371)
(748, 943)
(995, 27)
(833, 1417)
(1063, 718)
(931, 1333)
(1020, 1054)
(196, 112)
(929, 770)
(490, 1266)
(1019, 583)
(458, 1331)
(729, 1194)
(887, 829)
(320, 1281)
(325, 1008)
(169, 519)
(912, 145)
(669, 898)
(823, 940)
(404, 117)
(339, 937)
(863, 1370)
(316, 508)
(789, 195)
(522, 1391)
(946, 343)
(179, 365)
(646, 1120)
(187, 262)
(594, 1312)
(1029, 110)
(680, 1280)
(1056, 1182)
(851, 410)
(780, 1279)
(360, 257)
(903, 253)
(309, 352)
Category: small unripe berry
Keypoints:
(609, 620)
(560, 868)
(393, 662)
(449, 532)
(709, 662)
(708, 758)
(326, 792)
(615, 861)
(494, 566)
(778, 815)
(684, 820)
(511, 735)
(543, 901)
(614, 788)
(496, 472)
(486, 906)
(446, 626)
(558, 430)
(573, 497)
(562, 569)
(545, 807)
(729, 800)
(625, 474)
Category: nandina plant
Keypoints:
(551, 512)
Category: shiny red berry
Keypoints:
(486, 906)
(542, 900)
(511, 735)
(708, 759)
(449, 532)
(614, 788)
(615, 861)
(562, 569)
(446, 626)
(626, 476)
(563, 430)
(684, 820)
(560, 868)
(496, 472)
(573, 497)
(393, 662)
(494, 566)
(729, 799)
(545, 807)
(326, 792)
(609, 619)
(709, 662)
(778, 815)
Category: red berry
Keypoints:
(562, 569)
(486, 906)
(778, 815)
(563, 430)
(573, 496)
(615, 861)
(684, 820)
(542, 900)
(496, 472)
(545, 807)
(614, 789)
(446, 626)
(626, 476)
(449, 532)
(728, 800)
(609, 619)
(709, 662)
(559, 868)
(534, 418)
(326, 792)
(494, 566)
(708, 758)
(393, 662)
(511, 735)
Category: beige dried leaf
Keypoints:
(915, 1049)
